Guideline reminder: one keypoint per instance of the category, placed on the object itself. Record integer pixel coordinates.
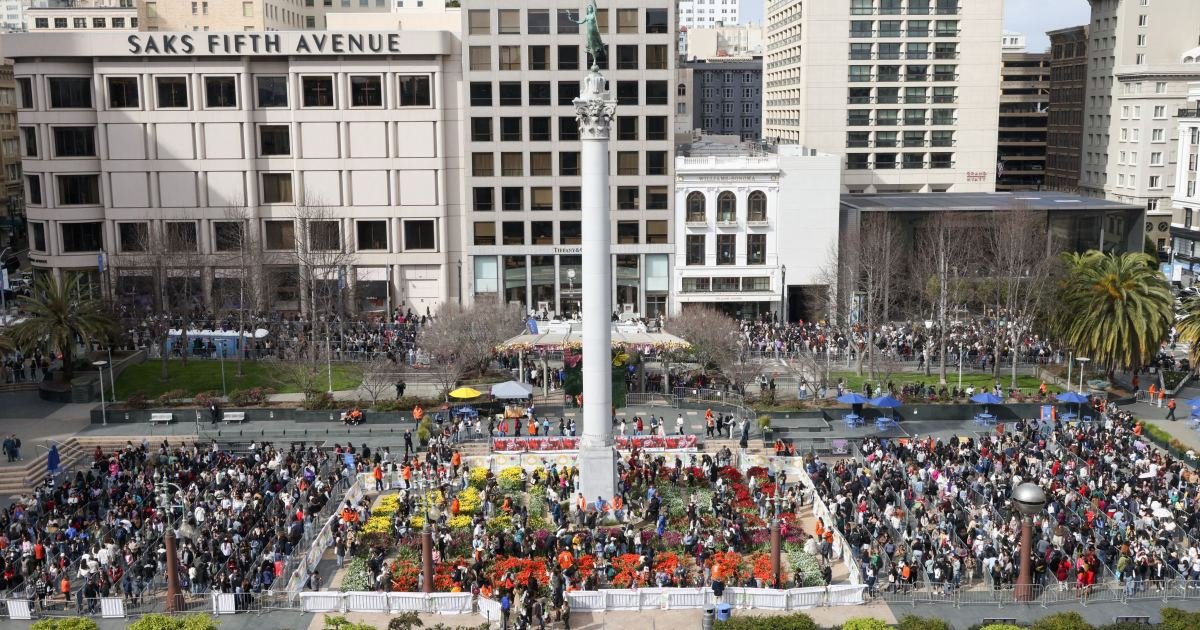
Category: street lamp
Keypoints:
(174, 600)
(103, 410)
(960, 359)
(1029, 499)
(425, 484)
(776, 542)
(1082, 364)
(783, 293)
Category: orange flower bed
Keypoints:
(726, 566)
(761, 564)
(628, 567)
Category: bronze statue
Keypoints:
(594, 45)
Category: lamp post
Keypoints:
(103, 410)
(1029, 499)
(960, 358)
(783, 293)
(1082, 364)
(776, 542)
(174, 599)
(426, 485)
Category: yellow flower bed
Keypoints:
(378, 524)
(469, 501)
(461, 521)
(478, 476)
(416, 522)
(387, 505)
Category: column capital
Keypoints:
(594, 109)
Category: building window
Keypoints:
(485, 233)
(482, 164)
(757, 206)
(541, 233)
(220, 92)
(317, 91)
(479, 22)
(627, 163)
(277, 188)
(570, 198)
(33, 192)
(481, 94)
(78, 190)
(756, 249)
(133, 237)
(415, 90)
(483, 199)
(568, 163)
(656, 232)
(70, 93)
(696, 208)
(627, 57)
(480, 57)
(366, 91)
(481, 129)
(513, 233)
(540, 164)
(628, 233)
(568, 91)
(657, 197)
(539, 93)
(656, 21)
(695, 249)
(29, 138)
(726, 207)
(726, 249)
(539, 57)
(123, 93)
(37, 236)
(509, 21)
(627, 92)
(512, 199)
(274, 140)
(657, 93)
(539, 129)
(280, 235)
(510, 58)
(628, 198)
(568, 57)
(82, 237)
(272, 91)
(228, 236)
(74, 141)
(570, 233)
(627, 127)
(656, 127)
(512, 164)
(656, 162)
(172, 92)
(541, 198)
(568, 128)
(538, 21)
(25, 92)
(181, 236)
(510, 94)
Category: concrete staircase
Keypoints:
(76, 450)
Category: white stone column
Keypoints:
(594, 111)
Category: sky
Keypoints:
(1031, 17)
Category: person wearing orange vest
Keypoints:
(710, 423)
(456, 461)
(455, 506)
(1152, 391)
(1171, 410)
(418, 413)
(406, 473)
(377, 473)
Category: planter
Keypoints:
(253, 414)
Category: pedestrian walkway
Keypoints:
(808, 522)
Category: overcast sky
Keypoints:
(1032, 17)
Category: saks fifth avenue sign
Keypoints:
(276, 43)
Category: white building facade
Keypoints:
(708, 13)
(754, 226)
(1185, 222)
(159, 159)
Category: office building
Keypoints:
(1185, 222)
(12, 202)
(905, 89)
(12, 15)
(244, 168)
(522, 67)
(707, 13)
(1136, 81)
(737, 225)
(79, 15)
(259, 15)
(726, 97)
(1024, 101)
(1064, 120)
(1012, 42)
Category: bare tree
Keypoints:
(464, 338)
(326, 262)
(239, 247)
(943, 248)
(868, 268)
(378, 375)
(1022, 262)
(716, 343)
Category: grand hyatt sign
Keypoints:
(164, 45)
(265, 44)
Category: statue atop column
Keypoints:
(594, 45)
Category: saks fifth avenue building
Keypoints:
(171, 166)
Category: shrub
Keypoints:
(358, 576)
(137, 400)
(1062, 621)
(318, 401)
(68, 623)
(204, 399)
(168, 398)
(163, 622)
(252, 396)
(1176, 619)
(864, 623)
(913, 622)
(1127, 625)
(764, 422)
(1000, 626)
(795, 621)
(424, 431)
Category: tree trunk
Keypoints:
(164, 373)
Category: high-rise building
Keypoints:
(1185, 222)
(12, 201)
(244, 168)
(1024, 99)
(253, 15)
(522, 66)
(706, 13)
(906, 89)
(739, 41)
(12, 15)
(77, 15)
(1136, 82)
(727, 97)
(1064, 120)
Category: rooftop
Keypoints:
(978, 202)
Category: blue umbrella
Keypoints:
(986, 398)
(886, 402)
(1078, 399)
(852, 398)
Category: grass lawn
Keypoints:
(202, 375)
(981, 381)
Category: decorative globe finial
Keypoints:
(1029, 499)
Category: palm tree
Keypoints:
(1189, 327)
(58, 316)
(1115, 308)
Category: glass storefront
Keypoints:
(570, 285)
(629, 282)
(541, 271)
(515, 289)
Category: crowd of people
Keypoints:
(100, 532)
(938, 513)
(350, 338)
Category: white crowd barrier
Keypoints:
(490, 609)
(367, 602)
(682, 598)
(19, 609)
(112, 607)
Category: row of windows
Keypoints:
(537, 21)
(753, 284)
(712, 93)
(892, 74)
(902, 28)
(512, 93)
(82, 22)
(68, 142)
(710, 76)
(864, 139)
(537, 57)
(893, 95)
(569, 233)
(513, 129)
(756, 249)
(541, 198)
(133, 237)
(896, 50)
(221, 92)
(727, 211)
(483, 164)
(859, 161)
(862, 117)
(896, 7)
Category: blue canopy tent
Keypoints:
(985, 399)
(855, 401)
(887, 402)
(1073, 398)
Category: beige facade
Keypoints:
(1136, 82)
(906, 89)
(250, 15)
(740, 41)
(12, 204)
(78, 15)
(245, 138)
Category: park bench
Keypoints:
(163, 418)
(233, 416)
